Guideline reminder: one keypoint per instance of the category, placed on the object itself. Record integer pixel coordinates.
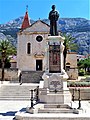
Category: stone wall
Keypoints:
(72, 59)
(9, 74)
(71, 65)
(84, 93)
(72, 73)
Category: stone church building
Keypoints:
(31, 49)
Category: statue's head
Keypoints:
(53, 7)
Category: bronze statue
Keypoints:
(53, 17)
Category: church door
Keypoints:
(54, 58)
(38, 65)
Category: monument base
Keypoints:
(56, 98)
(55, 89)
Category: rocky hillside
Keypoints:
(77, 27)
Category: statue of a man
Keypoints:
(53, 17)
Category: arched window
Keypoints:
(28, 48)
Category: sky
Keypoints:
(12, 9)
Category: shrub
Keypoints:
(87, 73)
(71, 84)
(78, 84)
(81, 72)
(87, 79)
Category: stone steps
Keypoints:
(55, 110)
(15, 98)
(16, 92)
(56, 106)
(27, 116)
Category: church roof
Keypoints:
(41, 22)
(38, 26)
(25, 23)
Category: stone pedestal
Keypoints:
(55, 89)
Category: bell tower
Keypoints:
(26, 22)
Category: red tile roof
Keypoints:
(25, 23)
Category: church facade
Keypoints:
(31, 49)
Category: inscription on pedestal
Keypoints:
(55, 85)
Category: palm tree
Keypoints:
(68, 45)
(6, 49)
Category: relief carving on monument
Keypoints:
(54, 58)
(55, 86)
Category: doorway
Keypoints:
(38, 65)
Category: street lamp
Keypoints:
(3, 62)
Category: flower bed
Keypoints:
(78, 84)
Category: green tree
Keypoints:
(6, 49)
(88, 66)
(80, 64)
(85, 64)
(69, 45)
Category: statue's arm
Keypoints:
(50, 15)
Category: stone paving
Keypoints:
(8, 109)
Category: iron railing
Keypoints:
(35, 95)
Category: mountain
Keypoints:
(77, 27)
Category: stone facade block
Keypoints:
(10, 74)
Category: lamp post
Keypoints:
(3, 62)
(31, 98)
(79, 99)
(37, 94)
(73, 96)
